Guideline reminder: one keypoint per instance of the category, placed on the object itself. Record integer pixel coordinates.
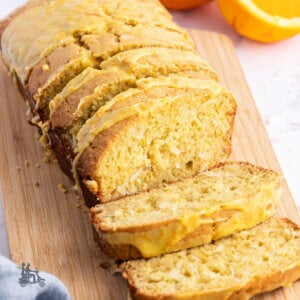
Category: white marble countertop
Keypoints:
(273, 74)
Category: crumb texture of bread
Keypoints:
(191, 212)
(257, 260)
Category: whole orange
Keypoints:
(182, 4)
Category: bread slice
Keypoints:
(178, 133)
(51, 74)
(228, 198)
(149, 61)
(238, 267)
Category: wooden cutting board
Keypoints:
(45, 226)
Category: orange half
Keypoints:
(263, 20)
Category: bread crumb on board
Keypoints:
(37, 184)
(27, 163)
(116, 268)
(104, 264)
(49, 157)
(62, 187)
(45, 67)
(37, 135)
(46, 159)
(18, 168)
(79, 197)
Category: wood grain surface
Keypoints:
(45, 225)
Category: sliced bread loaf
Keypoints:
(228, 198)
(238, 267)
(49, 76)
(76, 34)
(91, 89)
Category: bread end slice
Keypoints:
(245, 264)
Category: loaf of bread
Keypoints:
(191, 212)
(119, 92)
(238, 267)
(133, 114)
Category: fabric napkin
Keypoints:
(26, 283)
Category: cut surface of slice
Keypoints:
(133, 101)
(228, 198)
(163, 139)
(240, 266)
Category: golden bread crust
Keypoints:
(266, 284)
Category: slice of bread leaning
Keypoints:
(228, 198)
(182, 130)
(238, 267)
